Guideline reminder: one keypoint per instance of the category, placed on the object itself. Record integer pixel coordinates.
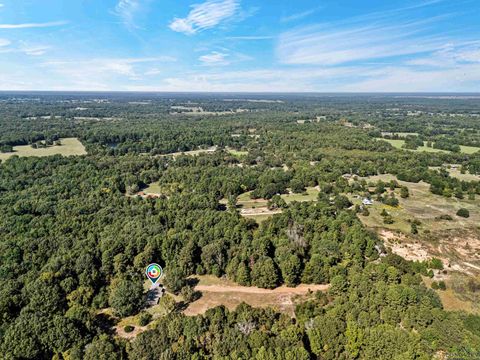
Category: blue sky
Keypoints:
(240, 45)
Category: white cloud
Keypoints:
(337, 44)
(214, 59)
(205, 16)
(33, 25)
(103, 69)
(450, 55)
(249, 38)
(126, 10)
(4, 42)
(299, 16)
(464, 78)
(35, 50)
(152, 72)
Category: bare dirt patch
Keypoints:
(259, 211)
(458, 249)
(282, 298)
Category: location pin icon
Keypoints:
(154, 272)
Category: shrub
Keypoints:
(435, 264)
(189, 294)
(463, 213)
(442, 285)
(444, 217)
(129, 328)
(388, 220)
(144, 319)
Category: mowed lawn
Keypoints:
(398, 143)
(69, 147)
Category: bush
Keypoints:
(388, 220)
(129, 328)
(434, 285)
(463, 213)
(144, 319)
(442, 285)
(444, 217)
(189, 294)
(435, 264)
(414, 228)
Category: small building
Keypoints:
(367, 202)
(154, 294)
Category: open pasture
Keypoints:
(69, 147)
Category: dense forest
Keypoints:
(75, 238)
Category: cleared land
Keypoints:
(456, 242)
(197, 110)
(191, 152)
(398, 143)
(456, 173)
(458, 296)
(217, 292)
(69, 147)
(154, 189)
(257, 208)
(421, 205)
(238, 153)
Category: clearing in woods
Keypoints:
(257, 208)
(398, 143)
(456, 242)
(217, 292)
(68, 147)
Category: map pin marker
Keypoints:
(154, 272)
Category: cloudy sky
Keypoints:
(240, 45)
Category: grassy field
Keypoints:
(237, 153)
(405, 134)
(457, 298)
(399, 143)
(424, 206)
(69, 147)
(153, 188)
(456, 173)
(310, 195)
(245, 201)
(469, 149)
